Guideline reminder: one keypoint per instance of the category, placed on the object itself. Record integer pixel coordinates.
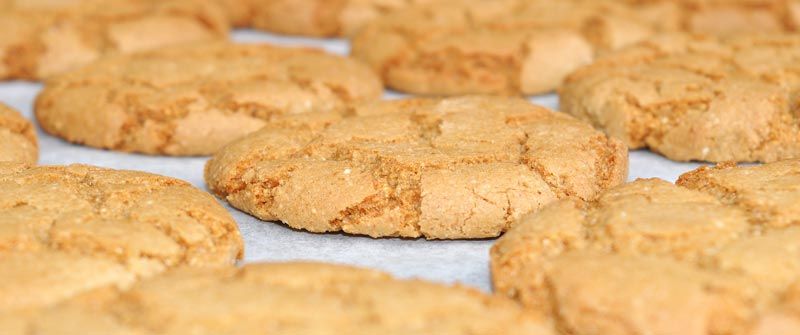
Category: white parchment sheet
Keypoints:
(466, 262)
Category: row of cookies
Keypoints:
(42, 38)
(95, 251)
(417, 168)
(685, 96)
(91, 250)
(716, 254)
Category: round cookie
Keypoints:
(493, 46)
(715, 254)
(17, 138)
(288, 298)
(722, 17)
(440, 168)
(192, 99)
(696, 98)
(67, 230)
(41, 38)
(318, 18)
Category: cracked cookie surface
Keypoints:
(439, 168)
(276, 299)
(41, 38)
(489, 46)
(67, 230)
(696, 98)
(191, 100)
(718, 253)
(319, 18)
(18, 141)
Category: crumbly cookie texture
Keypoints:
(718, 253)
(41, 38)
(191, 100)
(493, 46)
(286, 298)
(443, 169)
(722, 17)
(319, 18)
(17, 138)
(67, 230)
(696, 98)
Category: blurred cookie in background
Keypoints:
(493, 46)
(18, 141)
(722, 17)
(40, 38)
(316, 18)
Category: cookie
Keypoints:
(696, 98)
(191, 100)
(68, 229)
(438, 168)
(39, 39)
(714, 254)
(488, 46)
(783, 319)
(288, 298)
(722, 17)
(317, 18)
(17, 138)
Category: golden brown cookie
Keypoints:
(319, 18)
(696, 98)
(191, 100)
(40, 38)
(714, 254)
(722, 17)
(783, 319)
(493, 46)
(441, 168)
(67, 230)
(17, 138)
(287, 298)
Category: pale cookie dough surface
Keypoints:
(17, 138)
(191, 100)
(66, 230)
(696, 98)
(490, 46)
(716, 254)
(443, 169)
(286, 298)
(41, 38)
(722, 17)
(319, 18)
